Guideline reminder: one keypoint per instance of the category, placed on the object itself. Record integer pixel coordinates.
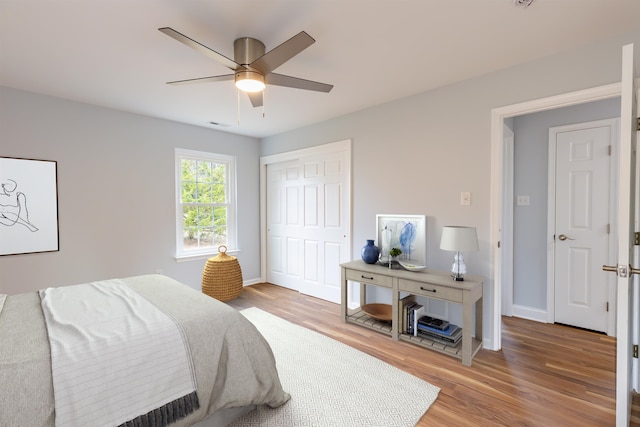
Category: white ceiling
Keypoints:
(110, 52)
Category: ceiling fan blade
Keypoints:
(256, 98)
(229, 63)
(211, 79)
(282, 53)
(294, 82)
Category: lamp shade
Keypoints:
(459, 239)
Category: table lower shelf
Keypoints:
(361, 318)
(452, 350)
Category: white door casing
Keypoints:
(626, 227)
(306, 218)
(579, 223)
(506, 242)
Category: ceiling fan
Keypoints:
(252, 67)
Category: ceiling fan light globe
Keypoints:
(249, 81)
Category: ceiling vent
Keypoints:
(522, 3)
(224, 125)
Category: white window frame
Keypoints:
(230, 162)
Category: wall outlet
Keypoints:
(465, 198)
(522, 201)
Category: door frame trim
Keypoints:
(613, 220)
(344, 145)
(493, 340)
(507, 228)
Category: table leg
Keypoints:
(466, 330)
(395, 316)
(344, 295)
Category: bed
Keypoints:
(233, 365)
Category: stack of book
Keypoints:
(408, 308)
(415, 322)
(438, 330)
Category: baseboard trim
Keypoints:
(530, 313)
(251, 282)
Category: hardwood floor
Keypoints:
(545, 375)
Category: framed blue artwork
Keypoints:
(406, 232)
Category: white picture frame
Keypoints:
(28, 206)
(408, 232)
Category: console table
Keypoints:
(427, 283)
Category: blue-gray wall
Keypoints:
(116, 191)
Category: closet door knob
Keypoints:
(564, 237)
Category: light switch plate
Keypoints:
(465, 198)
(522, 201)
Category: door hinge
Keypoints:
(636, 240)
(638, 124)
(498, 244)
(609, 151)
(608, 228)
(607, 306)
(635, 351)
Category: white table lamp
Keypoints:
(458, 239)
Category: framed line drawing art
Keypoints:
(28, 206)
(407, 232)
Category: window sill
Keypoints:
(201, 255)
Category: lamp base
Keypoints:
(458, 269)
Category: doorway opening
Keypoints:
(499, 174)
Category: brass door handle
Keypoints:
(621, 270)
(564, 237)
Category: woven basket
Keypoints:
(222, 276)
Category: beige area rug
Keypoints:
(332, 384)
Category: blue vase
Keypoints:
(370, 253)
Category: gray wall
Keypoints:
(417, 154)
(531, 153)
(116, 191)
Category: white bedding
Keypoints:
(233, 363)
(114, 355)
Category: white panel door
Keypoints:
(626, 228)
(325, 224)
(308, 223)
(582, 223)
(284, 224)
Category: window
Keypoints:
(205, 211)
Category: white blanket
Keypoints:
(114, 355)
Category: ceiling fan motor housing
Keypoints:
(246, 50)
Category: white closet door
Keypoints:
(308, 222)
